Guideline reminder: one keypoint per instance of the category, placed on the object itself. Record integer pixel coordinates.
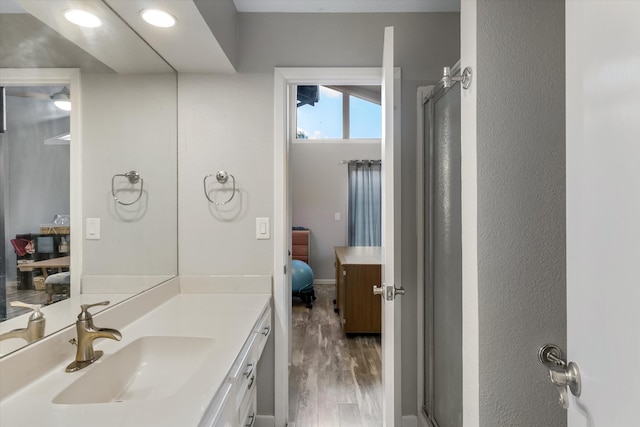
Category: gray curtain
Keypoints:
(365, 195)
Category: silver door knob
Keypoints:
(378, 290)
(563, 375)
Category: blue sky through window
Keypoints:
(366, 119)
(324, 119)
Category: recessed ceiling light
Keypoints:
(82, 18)
(158, 18)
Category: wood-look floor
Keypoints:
(335, 379)
(26, 296)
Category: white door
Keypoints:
(603, 209)
(391, 342)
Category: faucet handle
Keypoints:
(35, 307)
(84, 314)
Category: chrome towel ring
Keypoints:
(222, 177)
(133, 177)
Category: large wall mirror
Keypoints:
(88, 196)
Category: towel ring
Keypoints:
(222, 177)
(133, 177)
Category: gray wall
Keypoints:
(319, 189)
(227, 122)
(521, 207)
(37, 175)
(129, 122)
(222, 18)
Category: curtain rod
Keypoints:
(345, 162)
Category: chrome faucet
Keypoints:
(35, 325)
(87, 333)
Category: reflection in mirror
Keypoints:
(34, 154)
(125, 122)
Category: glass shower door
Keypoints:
(443, 259)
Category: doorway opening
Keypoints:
(35, 211)
(335, 368)
(286, 80)
(43, 87)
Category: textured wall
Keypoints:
(521, 207)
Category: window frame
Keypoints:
(346, 118)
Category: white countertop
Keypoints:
(229, 318)
(359, 255)
(57, 317)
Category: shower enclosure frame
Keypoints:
(424, 95)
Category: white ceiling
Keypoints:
(347, 6)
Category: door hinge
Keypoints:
(285, 269)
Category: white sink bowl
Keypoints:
(149, 368)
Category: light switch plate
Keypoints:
(263, 228)
(93, 229)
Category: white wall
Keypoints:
(129, 123)
(319, 190)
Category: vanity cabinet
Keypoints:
(358, 270)
(235, 404)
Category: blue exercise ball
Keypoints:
(301, 275)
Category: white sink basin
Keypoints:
(149, 368)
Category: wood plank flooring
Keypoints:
(335, 380)
(26, 296)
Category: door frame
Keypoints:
(284, 79)
(70, 77)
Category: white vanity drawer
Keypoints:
(263, 330)
(235, 404)
(243, 373)
(247, 412)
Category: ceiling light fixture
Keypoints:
(62, 100)
(158, 18)
(82, 18)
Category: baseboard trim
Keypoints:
(409, 421)
(265, 421)
(324, 282)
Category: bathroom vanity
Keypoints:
(188, 357)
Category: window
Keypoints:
(338, 113)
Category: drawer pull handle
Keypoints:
(249, 371)
(251, 419)
(253, 377)
(266, 330)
